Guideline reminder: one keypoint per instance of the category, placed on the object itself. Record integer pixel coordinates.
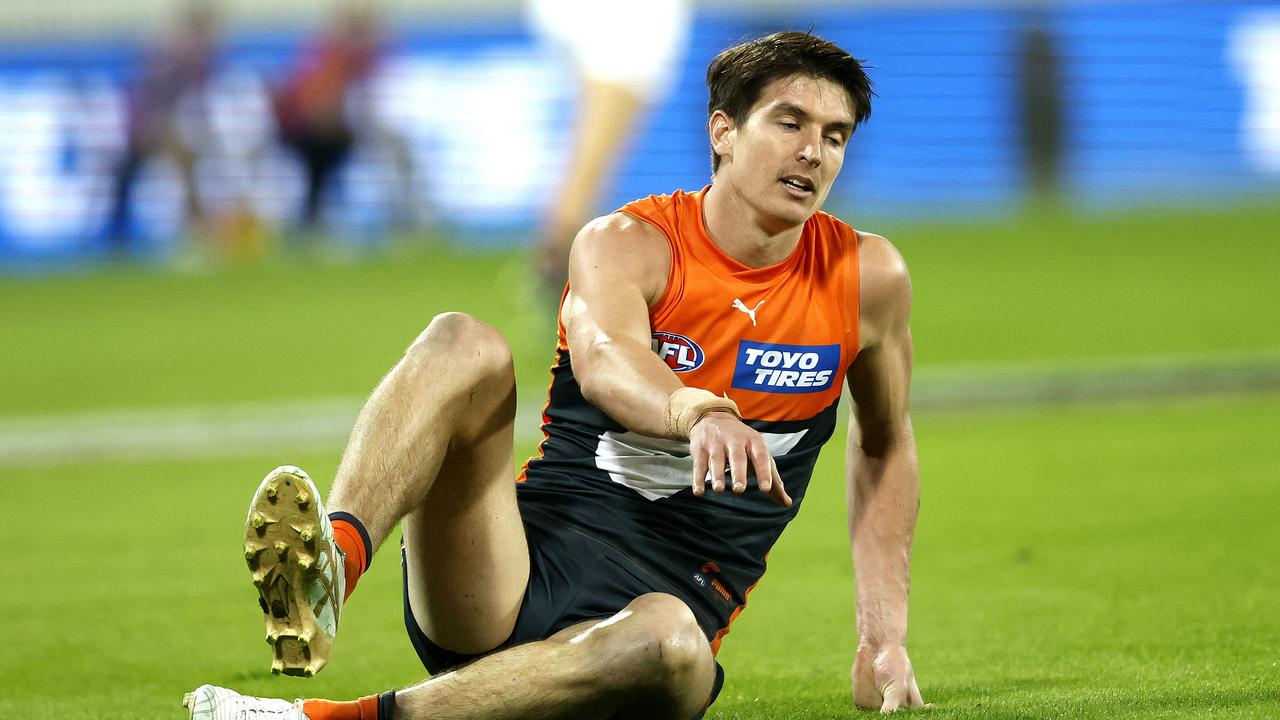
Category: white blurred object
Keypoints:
(1254, 48)
(630, 44)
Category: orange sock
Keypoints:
(366, 708)
(351, 536)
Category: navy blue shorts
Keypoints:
(573, 577)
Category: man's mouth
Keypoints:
(798, 183)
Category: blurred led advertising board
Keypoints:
(467, 125)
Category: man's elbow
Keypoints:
(880, 441)
(587, 370)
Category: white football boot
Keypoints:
(209, 702)
(297, 568)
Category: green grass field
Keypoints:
(1085, 561)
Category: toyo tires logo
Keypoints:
(679, 352)
(776, 368)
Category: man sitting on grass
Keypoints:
(703, 339)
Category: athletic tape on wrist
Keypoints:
(688, 405)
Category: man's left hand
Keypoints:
(883, 680)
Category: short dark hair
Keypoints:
(737, 76)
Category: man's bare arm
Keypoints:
(618, 268)
(883, 478)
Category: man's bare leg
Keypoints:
(434, 443)
(607, 114)
(650, 660)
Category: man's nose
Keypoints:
(811, 152)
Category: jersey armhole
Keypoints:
(674, 289)
(854, 290)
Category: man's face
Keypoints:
(784, 157)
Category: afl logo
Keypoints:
(679, 352)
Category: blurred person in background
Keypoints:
(164, 119)
(624, 56)
(1040, 107)
(704, 342)
(311, 106)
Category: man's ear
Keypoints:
(723, 132)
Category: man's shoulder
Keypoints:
(673, 209)
(884, 283)
(621, 245)
(655, 223)
(621, 228)
(877, 255)
(830, 229)
(875, 252)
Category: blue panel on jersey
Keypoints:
(772, 368)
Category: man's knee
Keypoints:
(663, 651)
(463, 342)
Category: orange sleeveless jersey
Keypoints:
(777, 340)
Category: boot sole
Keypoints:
(282, 545)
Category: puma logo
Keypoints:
(751, 313)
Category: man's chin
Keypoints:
(794, 213)
(779, 214)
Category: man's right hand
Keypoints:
(884, 680)
(719, 440)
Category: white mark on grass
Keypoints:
(323, 424)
